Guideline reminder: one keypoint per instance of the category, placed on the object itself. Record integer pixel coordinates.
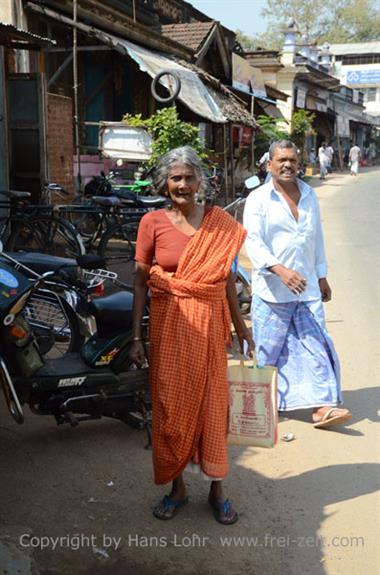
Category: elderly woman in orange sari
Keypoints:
(184, 255)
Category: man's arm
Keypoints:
(320, 258)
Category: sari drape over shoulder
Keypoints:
(189, 327)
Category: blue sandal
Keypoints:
(223, 511)
(168, 508)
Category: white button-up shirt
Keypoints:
(275, 237)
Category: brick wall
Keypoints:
(60, 142)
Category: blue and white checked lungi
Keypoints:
(293, 337)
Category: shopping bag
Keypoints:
(252, 417)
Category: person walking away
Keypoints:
(312, 157)
(330, 155)
(323, 161)
(289, 283)
(354, 157)
(184, 255)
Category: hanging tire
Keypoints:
(177, 87)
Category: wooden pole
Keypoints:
(231, 149)
(75, 88)
(226, 178)
(253, 137)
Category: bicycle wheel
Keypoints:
(54, 324)
(85, 218)
(46, 234)
(117, 247)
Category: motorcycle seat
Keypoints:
(113, 312)
(106, 201)
(42, 263)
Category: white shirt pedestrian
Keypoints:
(354, 157)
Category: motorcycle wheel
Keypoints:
(54, 324)
(243, 290)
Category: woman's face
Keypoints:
(182, 185)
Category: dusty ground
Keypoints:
(78, 501)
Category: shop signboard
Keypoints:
(246, 78)
(363, 76)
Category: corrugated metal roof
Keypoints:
(355, 48)
(13, 33)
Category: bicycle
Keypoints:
(28, 227)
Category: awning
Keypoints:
(193, 93)
(16, 38)
(270, 110)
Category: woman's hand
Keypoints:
(244, 334)
(137, 353)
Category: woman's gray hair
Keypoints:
(184, 155)
(281, 145)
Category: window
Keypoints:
(370, 95)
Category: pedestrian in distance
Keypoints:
(289, 283)
(312, 157)
(330, 155)
(323, 159)
(354, 156)
(184, 256)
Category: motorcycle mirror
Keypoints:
(252, 182)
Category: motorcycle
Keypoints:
(94, 382)
(59, 312)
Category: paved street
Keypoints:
(78, 501)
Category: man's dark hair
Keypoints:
(281, 145)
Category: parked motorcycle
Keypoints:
(94, 382)
(59, 312)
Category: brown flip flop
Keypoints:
(328, 420)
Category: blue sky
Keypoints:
(235, 14)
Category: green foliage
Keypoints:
(247, 42)
(322, 20)
(167, 132)
(302, 126)
(270, 130)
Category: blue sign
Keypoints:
(363, 76)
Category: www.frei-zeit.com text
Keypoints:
(110, 542)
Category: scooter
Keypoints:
(95, 382)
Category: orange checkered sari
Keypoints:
(189, 328)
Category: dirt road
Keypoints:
(78, 501)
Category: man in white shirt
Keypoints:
(330, 154)
(285, 245)
(354, 157)
(323, 161)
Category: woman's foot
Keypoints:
(327, 416)
(168, 507)
(222, 509)
(170, 504)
